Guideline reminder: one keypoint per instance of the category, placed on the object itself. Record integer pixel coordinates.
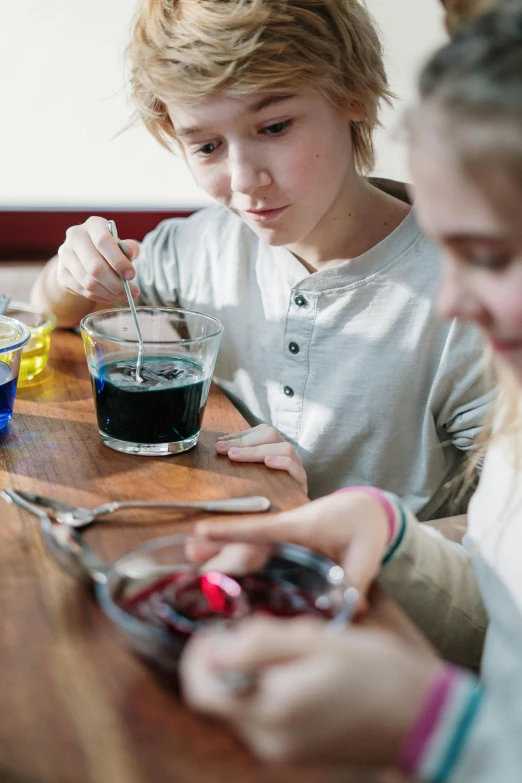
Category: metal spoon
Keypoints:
(76, 516)
(139, 363)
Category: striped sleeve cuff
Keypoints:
(401, 514)
(435, 741)
(385, 501)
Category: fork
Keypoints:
(78, 517)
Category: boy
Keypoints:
(323, 282)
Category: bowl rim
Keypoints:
(24, 334)
(129, 624)
(85, 329)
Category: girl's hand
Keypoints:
(317, 698)
(263, 444)
(91, 263)
(350, 528)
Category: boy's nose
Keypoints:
(247, 175)
(457, 298)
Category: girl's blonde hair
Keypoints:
(185, 50)
(459, 12)
(475, 83)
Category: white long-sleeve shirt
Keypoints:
(350, 364)
(457, 594)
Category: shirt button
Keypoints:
(288, 391)
(300, 301)
(293, 348)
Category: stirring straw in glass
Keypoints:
(139, 363)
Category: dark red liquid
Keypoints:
(277, 596)
(182, 601)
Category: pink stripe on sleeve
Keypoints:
(421, 730)
(385, 503)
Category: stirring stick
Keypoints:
(139, 363)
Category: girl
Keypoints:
(372, 696)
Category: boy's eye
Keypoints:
(277, 127)
(488, 260)
(207, 149)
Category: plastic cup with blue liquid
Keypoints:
(13, 336)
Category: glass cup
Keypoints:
(13, 336)
(161, 413)
(35, 354)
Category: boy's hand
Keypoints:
(91, 263)
(264, 444)
(350, 528)
(341, 699)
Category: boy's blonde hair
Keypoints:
(185, 50)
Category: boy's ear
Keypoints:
(356, 113)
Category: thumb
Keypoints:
(258, 642)
(361, 562)
(131, 248)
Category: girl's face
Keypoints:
(281, 163)
(479, 230)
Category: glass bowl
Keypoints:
(156, 596)
(149, 593)
(35, 354)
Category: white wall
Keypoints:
(63, 100)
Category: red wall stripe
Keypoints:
(37, 234)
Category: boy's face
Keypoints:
(477, 225)
(281, 163)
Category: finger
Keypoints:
(320, 525)
(96, 265)
(199, 550)
(85, 285)
(257, 428)
(275, 528)
(238, 559)
(259, 642)
(109, 248)
(234, 559)
(252, 437)
(362, 563)
(253, 453)
(200, 687)
(70, 281)
(295, 469)
(130, 248)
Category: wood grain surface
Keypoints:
(76, 705)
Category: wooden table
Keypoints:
(76, 706)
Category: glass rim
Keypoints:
(127, 622)
(24, 334)
(184, 341)
(49, 322)
(296, 554)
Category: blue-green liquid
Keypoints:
(166, 407)
(7, 395)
